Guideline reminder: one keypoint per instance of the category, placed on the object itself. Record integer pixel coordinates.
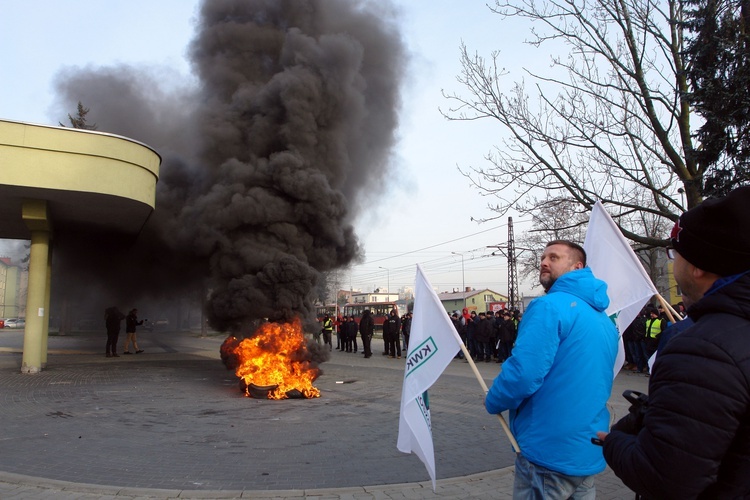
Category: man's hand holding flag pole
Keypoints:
(433, 344)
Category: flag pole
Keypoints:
(667, 308)
(503, 423)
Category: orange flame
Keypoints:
(276, 355)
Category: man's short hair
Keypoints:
(578, 252)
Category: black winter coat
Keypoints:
(508, 332)
(483, 332)
(350, 330)
(366, 325)
(391, 327)
(131, 321)
(695, 440)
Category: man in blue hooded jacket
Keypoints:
(558, 380)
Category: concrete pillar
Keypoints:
(34, 347)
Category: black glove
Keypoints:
(633, 421)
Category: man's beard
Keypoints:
(547, 280)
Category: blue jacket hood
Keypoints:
(583, 284)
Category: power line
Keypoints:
(483, 270)
(438, 244)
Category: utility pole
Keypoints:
(512, 264)
(510, 254)
(463, 277)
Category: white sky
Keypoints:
(426, 215)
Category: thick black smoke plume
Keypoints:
(267, 157)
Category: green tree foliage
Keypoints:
(718, 70)
(79, 120)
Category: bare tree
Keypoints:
(327, 288)
(563, 219)
(610, 120)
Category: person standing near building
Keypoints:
(131, 322)
(507, 336)
(391, 330)
(338, 326)
(366, 328)
(112, 319)
(497, 322)
(457, 326)
(406, 329)
(636, 335)
(471, 334)
(349, 334)
(692, 438)
(483, 337)
(559, 379)
(353, 332)
(342, 330)
(654, 326)
(463, 320)
(327, 330)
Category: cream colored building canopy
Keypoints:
(87, 178)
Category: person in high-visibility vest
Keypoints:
(654, 327)
(327, 331)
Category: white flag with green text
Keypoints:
(433, 343)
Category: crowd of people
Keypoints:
(488, 337)
(396, 330)
(645, 334)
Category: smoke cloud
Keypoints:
(269, 154)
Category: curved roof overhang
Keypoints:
(88, 179)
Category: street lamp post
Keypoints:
(388, 275)
(463, 277)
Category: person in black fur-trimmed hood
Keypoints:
(693, 439)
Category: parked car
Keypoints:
(15, 323)
(150, 326)
(161, 324)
